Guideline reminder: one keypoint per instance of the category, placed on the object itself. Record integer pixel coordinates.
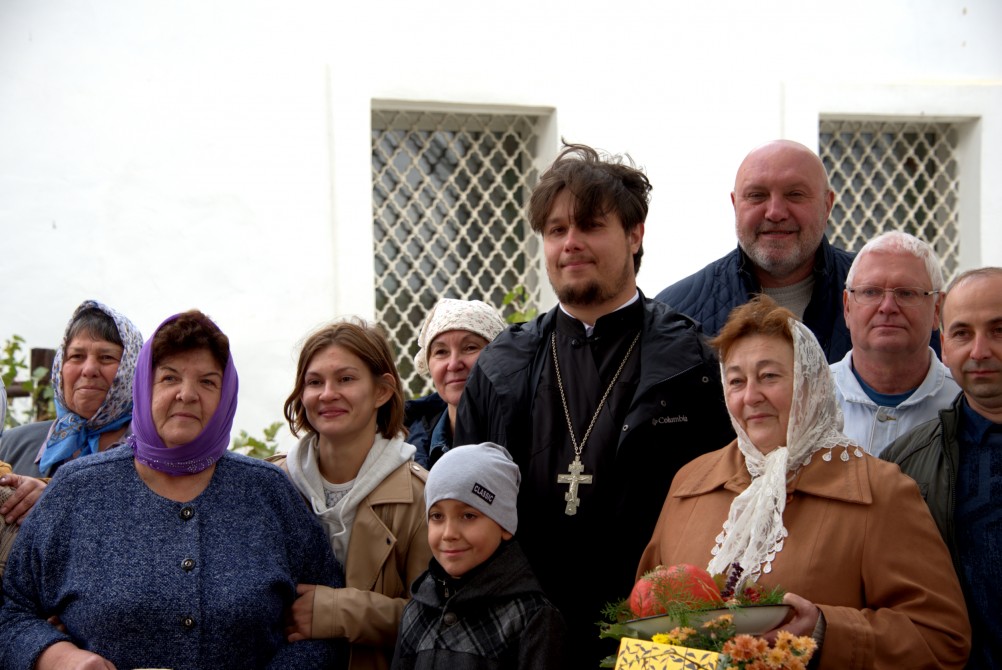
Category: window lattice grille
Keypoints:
(449, 193)
(892, 175)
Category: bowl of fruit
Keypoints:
(685, 595)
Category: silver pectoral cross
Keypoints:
(574, 478)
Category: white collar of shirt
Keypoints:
(590, 327)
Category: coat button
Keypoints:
(450, 618)
(186, 513)
(188, 564)
(187, 622)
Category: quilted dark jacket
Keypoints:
(709, 295)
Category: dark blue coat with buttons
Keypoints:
(677, 413)
(149, 582)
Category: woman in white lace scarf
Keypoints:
(798, 506)
(358, 476)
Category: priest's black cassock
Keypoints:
(579, 558)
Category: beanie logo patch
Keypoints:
(482, 492)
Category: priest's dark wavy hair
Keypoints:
(369, 343)
(600, 184)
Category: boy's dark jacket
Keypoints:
(498, 618)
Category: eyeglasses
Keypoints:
(903, 295)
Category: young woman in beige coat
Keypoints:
(358, 476)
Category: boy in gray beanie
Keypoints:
(478, 605)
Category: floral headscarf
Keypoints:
(73, 435)
(754, 532)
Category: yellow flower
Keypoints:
(679, 635)
(776, 658)
(722, 621)
(784, 639)
(804, 645)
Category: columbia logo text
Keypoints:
(661, 420)
(484, 493)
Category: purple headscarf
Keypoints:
(201, 452)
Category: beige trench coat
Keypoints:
(862, 546)
(388, 550)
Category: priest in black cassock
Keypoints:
(600, 400)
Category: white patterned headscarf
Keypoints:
(754, 532)
(72, 435)
(474, 316)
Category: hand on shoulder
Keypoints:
(27, 491)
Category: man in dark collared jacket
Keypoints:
(956, 459)
(782, 201)
(600, 401)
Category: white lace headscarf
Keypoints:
(754, 532)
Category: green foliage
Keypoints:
(12, 360)
(518, 300)
(256, 448)
(14, 365)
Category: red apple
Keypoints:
(684, 583)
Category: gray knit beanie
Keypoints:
(481, 475)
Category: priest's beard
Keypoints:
(595, 292)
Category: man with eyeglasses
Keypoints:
(891, 380)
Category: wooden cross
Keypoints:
(574, 478)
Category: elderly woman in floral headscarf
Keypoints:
(803, 508)
(451, 339)
(92, 379)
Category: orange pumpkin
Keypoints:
(682, 583)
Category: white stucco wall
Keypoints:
(168, 154)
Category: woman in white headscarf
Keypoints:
(451, 339)
(847, 536)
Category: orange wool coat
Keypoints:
(862, 546)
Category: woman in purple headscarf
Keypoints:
(169, 551)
